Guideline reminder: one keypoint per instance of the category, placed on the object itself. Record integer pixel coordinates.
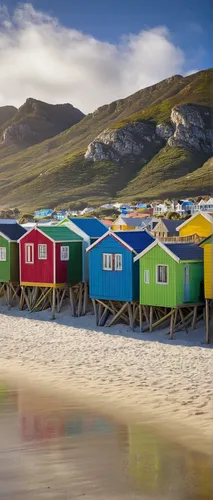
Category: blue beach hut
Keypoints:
(113, 274)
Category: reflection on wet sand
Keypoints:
(51, 450)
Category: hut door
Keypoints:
(186, 283)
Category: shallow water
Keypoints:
(53, 450)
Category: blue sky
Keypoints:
(190, 21)
(98, 51)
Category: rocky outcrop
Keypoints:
(164, 130)
(191, 128)
(127, 142)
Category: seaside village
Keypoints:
(142, 269)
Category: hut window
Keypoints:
(146, 276)
(118, 262)
(42, 252)
(29, 253)
(3, 255)
(162, 274)
(65, 253)
(107, 261)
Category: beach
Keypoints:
(125, 374)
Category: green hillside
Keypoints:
(54, 172)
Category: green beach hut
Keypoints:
(9, 259)
(171, 274)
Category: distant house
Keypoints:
(166, 228)
(108, 223)
(113, 275)
(199, 224)
(9, 252)
(44, 212)
(141, 205)
(123, 223)
(87, 210)
(170, 274)
(206, 206)
(185, 207)
(90, 229)
(161, 209)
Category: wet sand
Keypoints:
(153, 380)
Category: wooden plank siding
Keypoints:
(113, 285)
(5, 273)
(198, 225)
(208, 270)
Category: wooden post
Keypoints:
(194, 318)
(80, 299)
(131, 321)
(150, 318)
(53, 303)
(104, 317)
(85, 303)
(72, 302)
(141, 317)
(172, 325)
(95, 311)
(119, 313)
(207, 321)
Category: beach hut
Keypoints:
(113, 275)
(207, 246)
(123, 223)
(50, 260)
(200, 225)
(171, 276)
(89, 229)
(166, 228)
(9, 260)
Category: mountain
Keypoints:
(37, 121)
(7, 113)
(153, 144)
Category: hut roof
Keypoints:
(135, 241)
(186, 251)
(90, 225)
(170, 224)
(12, 231)
(204, 214)
(60, 233)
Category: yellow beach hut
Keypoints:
(200, 224)
(207, 245)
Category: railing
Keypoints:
(194, 238)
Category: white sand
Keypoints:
(139, 376)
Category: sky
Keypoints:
(90, 52)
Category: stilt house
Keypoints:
(207, 245)
(199, 225)
(9, 252)
(113, 274)
(50, 257)
(170, 274)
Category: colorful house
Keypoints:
(199, 224)
(207, 245)
(113, 275)
(170, 274)
(89, 229)
(166, 228)
(50, 256)
(9, 252)
(128, 224)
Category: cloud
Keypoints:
(41, 58)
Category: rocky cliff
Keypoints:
(7, 113)
(37, 121)
(189, 128)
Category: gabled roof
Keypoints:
(186, 251)
(129, 221)
(178, 251)
(206, 241)
(134, 241)
(204, 214)
(55, 233)
(60, 233)
(170, 224)
(90, 225)
(12, 231)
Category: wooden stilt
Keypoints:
(80, 300)
(95, 311)
(104, 317)
(86, 295)
(141, 317)
(194, 318)
(53, 303)
(130, 313)
(172, 325)
(207, 321)
(72, 302)
(150, 318)
(119, 314)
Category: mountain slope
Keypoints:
(7, 113)
(37, 121)
(57, 172)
